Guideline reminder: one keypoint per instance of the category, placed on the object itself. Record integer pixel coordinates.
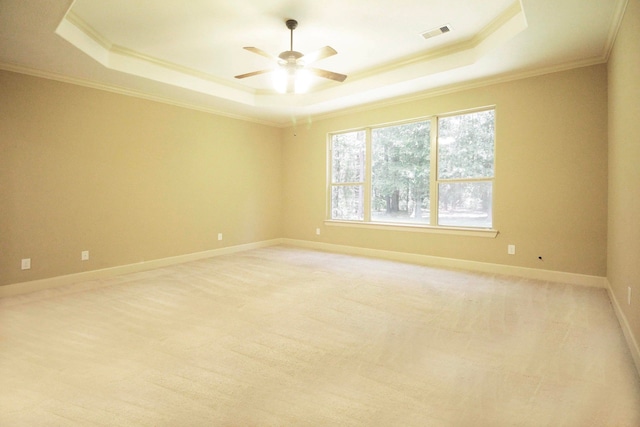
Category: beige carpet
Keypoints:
(290, 337)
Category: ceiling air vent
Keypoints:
(436, 31)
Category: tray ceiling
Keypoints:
(188, 53)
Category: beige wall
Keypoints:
(129, 180)
(133, 180)
(624, 167)
(551, 175)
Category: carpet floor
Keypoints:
(283, 336)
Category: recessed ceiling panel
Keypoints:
(187, 53)
(198, 44)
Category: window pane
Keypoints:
(465, 204)
(465, 145)
(348, 157)
(347, 202)
(400, 173)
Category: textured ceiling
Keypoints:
(188, 53)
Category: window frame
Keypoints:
(434, 181)
(362, 183)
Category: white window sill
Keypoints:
(459, 231)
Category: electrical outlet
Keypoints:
(317, 231)
(84, 255)
(629, 295)
(219, 236)
(511, 249)
(26, 264)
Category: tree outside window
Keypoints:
(387, 174)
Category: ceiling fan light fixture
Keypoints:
(302, 81)
(280, 80)
(291, 80)
(290, 74)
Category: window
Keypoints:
(400, 171)
(388, 174)
(348, 175)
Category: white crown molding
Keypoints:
(81, 35)
(459, 87)
(505, 26)
(103, 51)
(128, 92)
(84, 37)
(317, 117)
(614, 28)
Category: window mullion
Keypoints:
(329, 181)
(482, 179)
(367, 176)
(433, 173)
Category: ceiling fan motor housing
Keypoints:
(292, 24)
(290, 56)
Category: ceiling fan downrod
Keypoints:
(292, 24)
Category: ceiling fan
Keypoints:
(292, 71)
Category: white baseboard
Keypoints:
(53, 282)
(530, 273)
(632, 343)
(433, 261)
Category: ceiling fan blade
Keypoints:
(327, 74)
(254, 73)
(260, 52)
(319, 54)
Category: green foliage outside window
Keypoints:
(400, 175)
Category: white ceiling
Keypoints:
(188, 52)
